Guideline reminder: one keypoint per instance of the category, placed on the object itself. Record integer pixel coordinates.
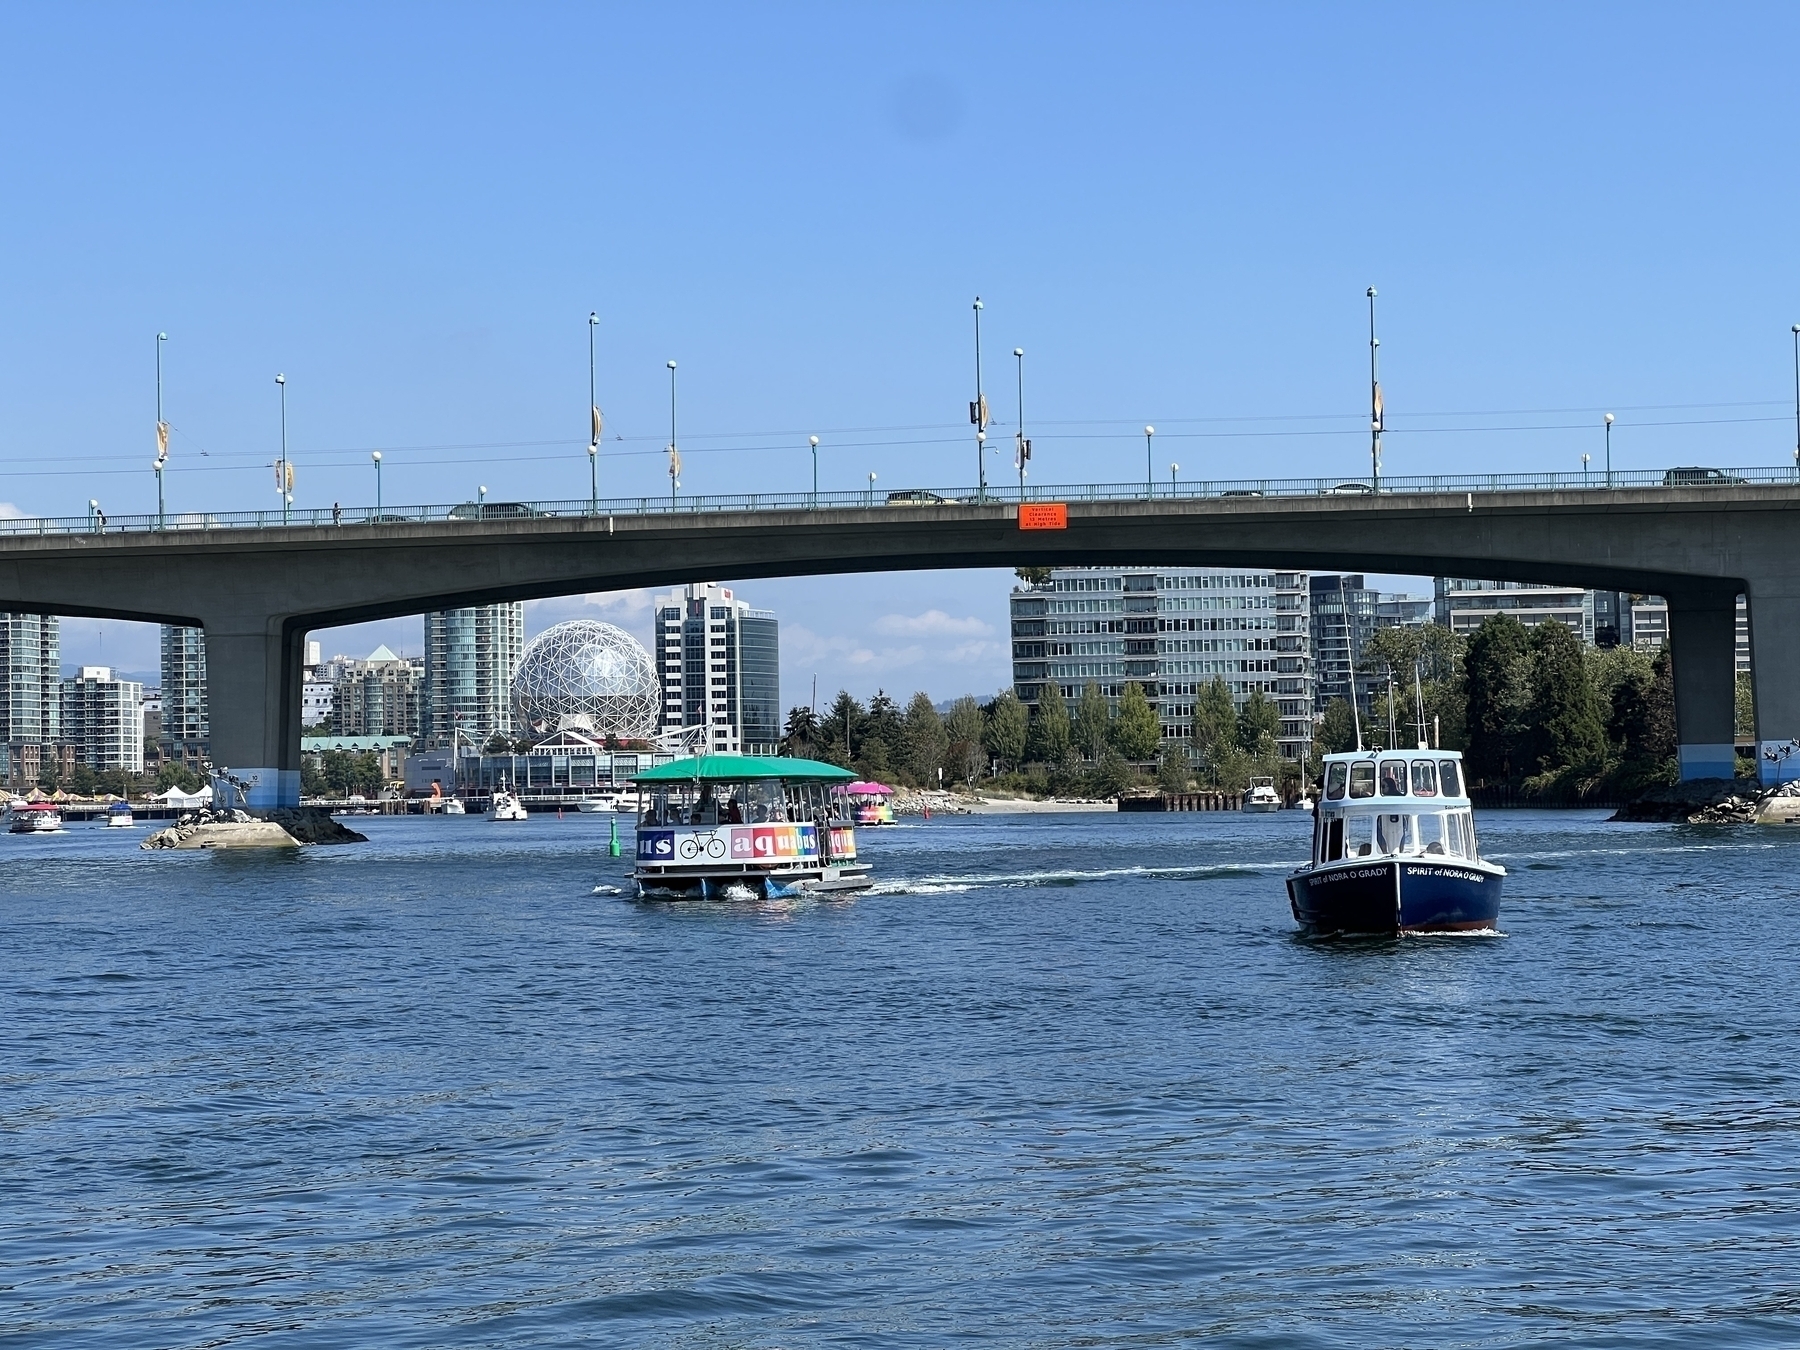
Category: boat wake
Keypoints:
(951, 885)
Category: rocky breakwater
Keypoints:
(1716, 801)
(239, 829)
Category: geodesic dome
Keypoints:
(589, 670)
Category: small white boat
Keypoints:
(506, 806)
(1261, 797)
(603, 803)
(35, 818)
(118, 816)
(453, 807)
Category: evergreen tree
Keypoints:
(1215, 718)
(1112, 775)
(1004, 735)
(842, 729)
(1049, 738)
(1258, 719)
(801, 733)
(1497, 681)
(1093, 722)
(926, 742)
(1173, 773)
(962, 729)
(1136, 734)
(1570, 733)
(1337, 729)
(884, 725)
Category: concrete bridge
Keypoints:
(258, 585)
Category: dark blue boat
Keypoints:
(1394, 849)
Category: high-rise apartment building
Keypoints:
(380, 696)
(30, 700)
(1171, 632)
(102, 721)
(471, 656)
(719, 664)
(1346, 613)
(185, 730)
(1598, 618)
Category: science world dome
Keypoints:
(590, 675)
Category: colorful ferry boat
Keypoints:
(750, 826)
(865, 803)
(1394, 849)
(34, 818)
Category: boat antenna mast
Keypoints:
(1393, 735)
(1419, 700)
(1350, 654)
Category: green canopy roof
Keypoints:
(736, 768)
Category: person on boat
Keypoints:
(1393, 778)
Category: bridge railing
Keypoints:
(1001, 494)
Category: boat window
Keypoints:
(1452, 773)
(768, 802)
(1362, 778)
(1394, 834)
(1359, 834)
(706, 809)
(1393, 778)
(1333, 847)
(1470, 850)
(1424, 778)
(1432, 828)
(1334, 780)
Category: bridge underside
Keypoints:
(257, 593)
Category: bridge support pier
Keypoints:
(1703, 645)
(1775, 658)
(253, 689)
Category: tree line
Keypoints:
(1530, 708)
(1098, 747)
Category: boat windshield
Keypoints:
(1424, 778)
(1452, 772)
(1422, 834)
(1362, 778)
(1335, 778)
(1393, 778)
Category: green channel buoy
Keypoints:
(613, 846)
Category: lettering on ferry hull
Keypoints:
(734, 843)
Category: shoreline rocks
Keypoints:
(281, 828)
(1714, 801)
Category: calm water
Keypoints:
(1061, 1080)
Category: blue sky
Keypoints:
(410, 211)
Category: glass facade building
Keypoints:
(1171, 631)
(718, 663)
(30, 700)
(471, 656)
(184, 724)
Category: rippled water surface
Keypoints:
(1059, 1080)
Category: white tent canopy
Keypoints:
(184, 801)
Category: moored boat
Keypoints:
(34, 818)
(506, 806)
(1394, 849)
(1262, 796)
(750, 826)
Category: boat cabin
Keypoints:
(1394, 803)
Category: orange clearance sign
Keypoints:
(1044, 516)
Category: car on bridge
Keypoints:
(919, 497)
(1697, 477)
(494, 511)
(1346, 490)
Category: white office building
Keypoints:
(102, 719)
(1171, 631)
(1598, 618)
(718, 663)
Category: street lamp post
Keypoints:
(978, 414)
(674, 453)
(1584, 468)
(481, 502)
(593, 423)
(284, 476)
(813, 441)
(1024, 446)
(871, 487)
(1797, 402)
(1174, 469)
(375, 456)
(1609, 422)
(1375, 409)
(162, 433)
(1149, 474)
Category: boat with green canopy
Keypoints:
(749, 826)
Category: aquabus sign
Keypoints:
(730, 843)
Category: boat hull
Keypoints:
(1397, 896)
(754, 885)
(1260, 808)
